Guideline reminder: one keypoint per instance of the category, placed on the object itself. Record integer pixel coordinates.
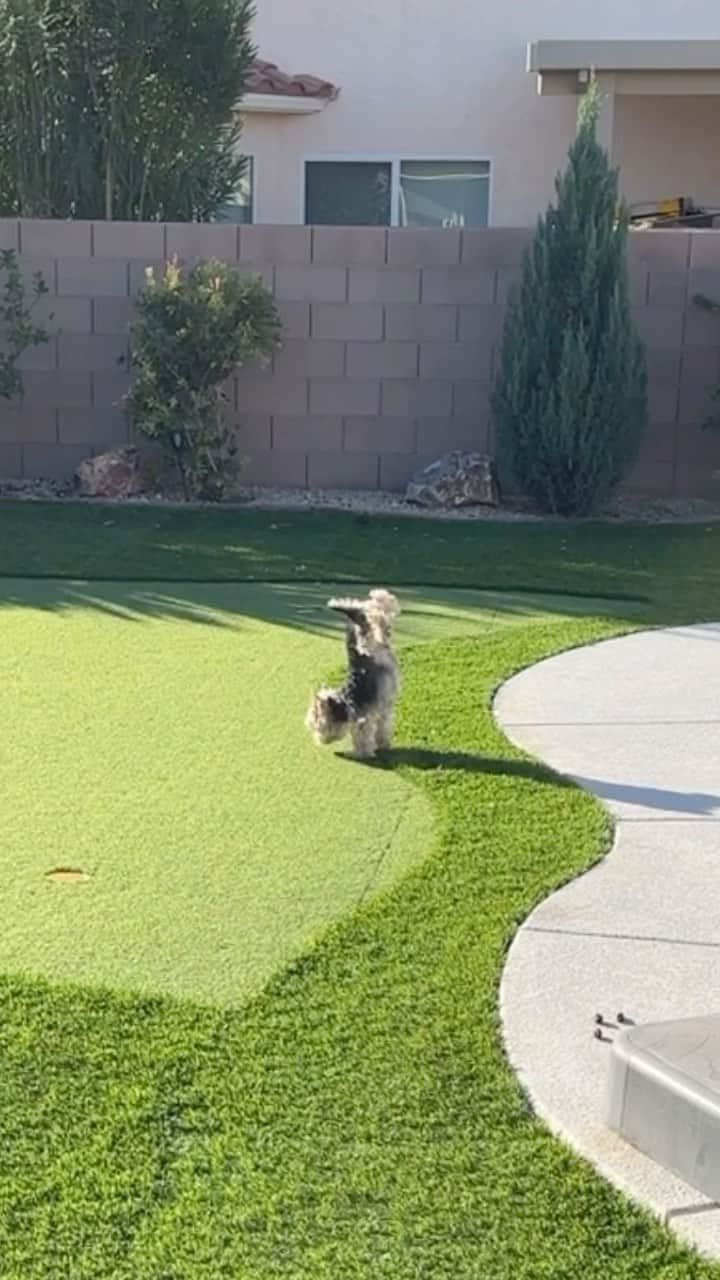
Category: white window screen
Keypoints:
(444, 193)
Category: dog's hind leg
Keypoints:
(384, 732)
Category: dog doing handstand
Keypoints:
(364, 704)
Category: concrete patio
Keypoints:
(636, 721)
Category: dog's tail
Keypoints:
(354, 609)
(378, 609)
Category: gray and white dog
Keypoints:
(363, 705)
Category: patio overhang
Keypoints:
(684, 67)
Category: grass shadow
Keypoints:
(297, 605)
(689, 803)
(156, 543)
(430, 759)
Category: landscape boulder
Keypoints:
(119, 473)
(458, 479)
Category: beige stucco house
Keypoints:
(460, 113)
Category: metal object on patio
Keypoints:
(664, 1096)
(674, 211)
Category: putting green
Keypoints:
(153, 741)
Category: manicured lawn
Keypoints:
(167, 733)
(670, 567)
(329, 1098)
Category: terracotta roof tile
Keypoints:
(265, 77)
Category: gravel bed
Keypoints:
(626, 508)
(372, 503)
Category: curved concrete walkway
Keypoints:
(636, 721)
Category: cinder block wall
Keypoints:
(388, 354)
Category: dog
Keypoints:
(364, 704)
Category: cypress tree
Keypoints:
(570, 399)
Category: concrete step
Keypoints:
(664, 1096)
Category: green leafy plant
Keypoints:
(191, 332)
(18, 329)
(570, 400)
(121, 108)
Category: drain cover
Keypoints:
(67, 875)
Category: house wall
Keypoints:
(390, 343)
(668, 146)
(418, 80)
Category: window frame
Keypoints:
(395, 161)
(251, 157)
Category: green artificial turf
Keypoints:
(356, 1118)
(154, 742)
(672, 567)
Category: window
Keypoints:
(444, 193)
(348, 193)
(406, 193)
(240, 207)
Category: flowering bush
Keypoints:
(192, 331)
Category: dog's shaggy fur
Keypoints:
(364, 704)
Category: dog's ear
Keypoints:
(333, 704)
(338, 707)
